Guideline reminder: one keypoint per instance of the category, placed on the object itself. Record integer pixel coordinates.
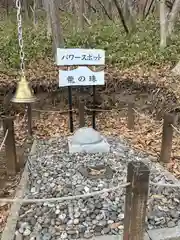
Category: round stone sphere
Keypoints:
(86, 135)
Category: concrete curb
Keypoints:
(10, 228)
(113, 237)
(165, 234)
(156, 234)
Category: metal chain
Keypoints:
(20, 37)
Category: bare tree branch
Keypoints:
(105, 11)
(121, 16)
(91, 6)
(87, 20)
(149, 9)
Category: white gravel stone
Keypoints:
(57, 211)
(55, 173)
(27, 232)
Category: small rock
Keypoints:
(71, 231)
(57, 211)
(62, 216)
(46, 236)
(39, 181)
(98, 205)
(99, 217)
(171, 224)
(82, 228)
(51, 205)
(174, 214)
(19, 237)
(121, 216)
(33, 190)
(94, 222)
(115, 225)
(53, 222)
(27, 232)
(120, 227)
(110, 221)
(106, 230)
(37, 227)
(76, 221)
(70, 222)
(86, 189)
(88, 235)
(21, 230)
(24, 225)
(77, 215)
(33, 238)
(102, 223)
(46, 174)
(52, 185)
(64, 235)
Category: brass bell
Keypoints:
(23, 93)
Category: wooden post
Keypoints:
(10, 148)
(167, 136)
(81, 113)
(136, 201)
(29, 115)
(131, 115)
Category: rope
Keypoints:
(144, 116)
(141, 115)
(54, 111)
(5, 136)
(74, 110)
(165, 185)
(175, 128)
(60, 199)
(98, 110)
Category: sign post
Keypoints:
(82, 75)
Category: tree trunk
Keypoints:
(121, 16)
(72, 7)
(34, 9)
(57, 34)
(81, 13)
(176, 69)
(173, 16)
(126, 10)
(163, 24)
(27, 7)
(110, 9)
(48, 17)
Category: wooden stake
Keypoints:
(131, 115)
(167, 136)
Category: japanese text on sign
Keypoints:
(81, 76)
(69, 57)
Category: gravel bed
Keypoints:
(55, 173)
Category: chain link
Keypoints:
(20, 37)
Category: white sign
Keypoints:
(75, 56)
(81, 76)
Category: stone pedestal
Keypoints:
(88, 140)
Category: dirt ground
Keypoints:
(154, 92)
